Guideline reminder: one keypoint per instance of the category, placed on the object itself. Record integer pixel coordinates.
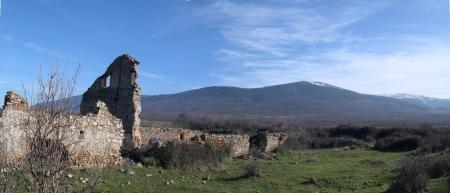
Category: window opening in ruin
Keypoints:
(202, 137)
(181, 136)
(108, 82)
(81, 135)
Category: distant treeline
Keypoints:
(246, 124)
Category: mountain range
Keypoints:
(303, 100)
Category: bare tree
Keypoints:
(50, 128)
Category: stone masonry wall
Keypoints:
(110, 123)
(274, 140)
(119, 90)
(100, 139)
(239, 143)
(266, 141)
(96, 139)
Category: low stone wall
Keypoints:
(266, 141)
(99, 140)
(239, 144)
(94, 140)
(164, 135)
(274, 140)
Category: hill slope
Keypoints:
(426, 101)
(303, 100)
(309, 100)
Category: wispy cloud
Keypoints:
(6, 37)
(276, 29)
(151, 76)
(274, 43)
(32, 46)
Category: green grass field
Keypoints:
(308, 171)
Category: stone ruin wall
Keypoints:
(119, 90)
(100, 139)
(110, 123)
(95, 142)
(266, 141)
(274, 140)
(239, 143)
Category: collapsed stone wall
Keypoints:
(99, 139)
(239, 144)
(119, 90)
(274, 140)
(266, 141)
(13, 141)
(95, 141)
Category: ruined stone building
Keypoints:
(109, 123)
(119, 90)
(98, 135)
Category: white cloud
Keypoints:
(276, 30)
(424, 71)
(33, 46)
(275, 44)
(6, 37)
(151, 75)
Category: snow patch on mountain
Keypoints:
(427, 101)
(317, 83)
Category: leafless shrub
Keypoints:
(185, 156)
(407, 143)
(436, 143)
(412, 177)
(414, 173)
(48, 127)
(252, 170)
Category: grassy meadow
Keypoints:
(309, 171)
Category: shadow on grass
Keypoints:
(230, 179)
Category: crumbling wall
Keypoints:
(164, 135)
(95, 140)
(13, 142)
(239, 144)
(12, 138)
(274, 140)
(119, 90)
(100, 139)
(265, 141)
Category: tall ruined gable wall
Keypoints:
(118, 89)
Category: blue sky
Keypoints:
(375, 47)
